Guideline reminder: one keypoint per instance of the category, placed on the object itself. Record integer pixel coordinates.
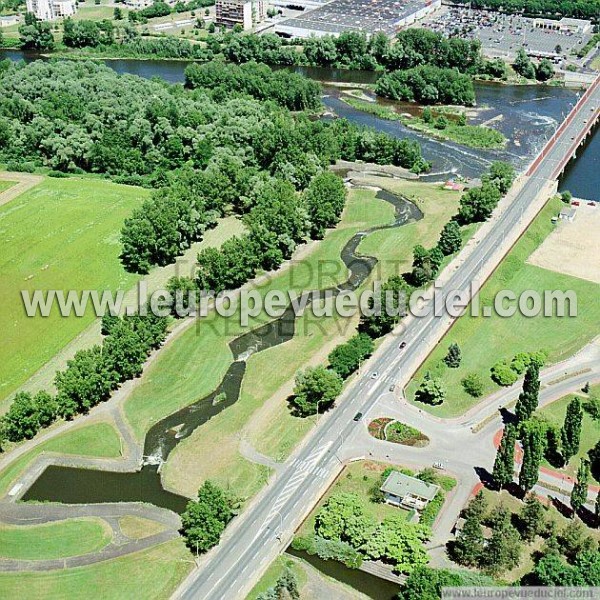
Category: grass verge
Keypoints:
(484, 341)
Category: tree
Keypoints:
(431, 391)
(205, 519)
(503, 551)
(573, 539)
(594, 455)
(566, 196)
(450, 239)
(597, 509)
(533, 437)
(571, 429)
(504, 465)
(523, 65)
(454, 356)
(346, 358)
(532, 521)
(501, 175)
(580, 488)
(477, 508)
(118, 14)
(468, 546)
(477, 204)
(503, 374)
(36, 36)
(22, 419)
(545, 70)
(551, 570)
(387, 309)
(473, 385)
(553, 446)
(529, 397)
(343, 518)
(316, 387)
(325, 199)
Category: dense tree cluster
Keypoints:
(427, 85)
(394, 540)
(506, 372)
(205, 519)
(425, 583)
(478, 203)
(36, 35)
(580, 9)
(285, 588)
(90, 376)
(324, 199)
(78, 34)
(346, 358)
(256, 80)
(316, 388)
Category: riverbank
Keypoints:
(440, 127)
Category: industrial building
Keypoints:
(48, 10)
(365, 16)
(246, 13)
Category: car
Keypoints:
(358, 416)
(438, 464)
(392, 387)
(374, 375)
(402, 345)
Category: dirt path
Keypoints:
(25, 181)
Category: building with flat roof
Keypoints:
(408, 492)
(48, 10)
(365, 16)
(565, 25)
(246, 13)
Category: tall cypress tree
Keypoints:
(467, 548)
(597, 509)
(571, 429)
(533, 437)
(528, 399)
(504, 465)
(580, 489)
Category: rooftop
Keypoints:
(400, 485)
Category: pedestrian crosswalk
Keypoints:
(301, 470)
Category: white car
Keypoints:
(374, 375)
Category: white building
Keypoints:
(47, 10)
(246, 13)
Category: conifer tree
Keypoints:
(580, 489)
(528, 399)
(504, 465)
(533, 438)
(571, 429)
(454, 356)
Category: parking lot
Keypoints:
(503, 35)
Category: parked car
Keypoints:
(438, 464)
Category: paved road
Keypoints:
(263, 531)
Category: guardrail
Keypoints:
(556, 135)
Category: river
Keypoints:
(526, 115)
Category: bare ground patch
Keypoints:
(573, 248)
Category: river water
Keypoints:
(526, 115)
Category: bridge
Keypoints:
(265, 528)
(571, 134)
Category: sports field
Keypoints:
(62, 234)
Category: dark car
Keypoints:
(402, 345)
(358, 416)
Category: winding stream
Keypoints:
(82, 486)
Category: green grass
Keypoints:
(473, 136)
(276, 569)
(483, 341)
(596, 63)
(99, 439)
(54, 540)
(360, 478)
(150, 574)
(62, 234)
(590, 431)
(6, 185)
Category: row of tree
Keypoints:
(579, 9)
(90, 376)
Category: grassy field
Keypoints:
(99, 439)
(590, 431)
(137, 528)
(483, 341)
(6, 185)
(54, 540)
(61, 235)
(148, 575)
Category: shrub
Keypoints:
(473, 385)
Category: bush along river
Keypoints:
(82, 486)
(526, 115)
